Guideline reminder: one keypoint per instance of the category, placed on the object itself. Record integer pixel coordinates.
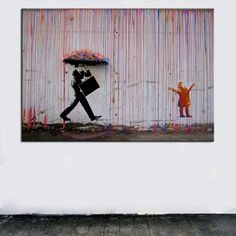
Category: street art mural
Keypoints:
(152, 69)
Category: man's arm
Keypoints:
(87, 73)
(191, 87)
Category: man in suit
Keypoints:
(79, 97)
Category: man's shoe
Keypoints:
(65, 118)
(182, 116)
(96, 118)
(189, 116)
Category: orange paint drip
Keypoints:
(42, 17)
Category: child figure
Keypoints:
(184, 98)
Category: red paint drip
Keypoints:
(176, 127)
(155, 127)
(34, 114)
(29, 118)
(33, 119)
(23, 117)
(45, 122)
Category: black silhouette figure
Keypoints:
(79, 97)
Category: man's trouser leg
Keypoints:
(70, 108)
(86, 106)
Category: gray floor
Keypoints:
(123, 225)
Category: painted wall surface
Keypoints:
(149, 50)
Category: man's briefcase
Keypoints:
(89, 85)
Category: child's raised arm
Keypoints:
(172, 89)
(191, 87)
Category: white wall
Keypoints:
(118, 177)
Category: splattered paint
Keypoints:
(149, 50)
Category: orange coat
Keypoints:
(184, 98)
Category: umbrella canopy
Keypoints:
(85, 57)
